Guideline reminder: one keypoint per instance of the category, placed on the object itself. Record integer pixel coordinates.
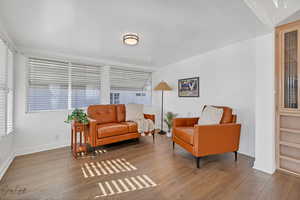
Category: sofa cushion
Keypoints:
(121, 112)
(111, 129)
(134, 112)
(210, 115)
(103, 113)
(185, 133)
(132, 127)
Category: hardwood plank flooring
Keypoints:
(55, 175)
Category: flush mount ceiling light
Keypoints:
(131, 39)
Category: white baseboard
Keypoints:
(263, 169)
(6, 165)
(35, 149)
(27, 150)
(246, 153)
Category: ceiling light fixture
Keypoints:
(131, 39)
(280, 3)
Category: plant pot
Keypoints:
(169, 133)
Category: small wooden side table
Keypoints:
(82, 145)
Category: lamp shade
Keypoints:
(162, 86)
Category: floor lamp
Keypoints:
(162, 86)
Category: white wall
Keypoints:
(227, 77)
(6, 152)
(265, 105)
(36, 131)
(105, 85)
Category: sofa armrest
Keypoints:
(92, 131)
(234, 118)
(150, 116)
(215, 139)
(177, 122)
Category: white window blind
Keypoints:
(6, 89)
(10, 94)
(3, 87)
(130, 86)
(125, 79)
(85, 83)
(57, 85)
(47, 85)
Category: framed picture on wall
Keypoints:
(188, 87)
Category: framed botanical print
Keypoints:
(188, 87)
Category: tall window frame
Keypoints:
(71, 79)
(136, 82)
(6, 89)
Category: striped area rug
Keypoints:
(118, 186)
(106, 167)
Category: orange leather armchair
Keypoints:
(203, 140)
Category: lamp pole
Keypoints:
(162, 86)
(162, 113)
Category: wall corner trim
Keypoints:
(6, 165)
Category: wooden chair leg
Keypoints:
(94, 151)
(198, 162)
(153, 137)
(235, 156)
(173, 145)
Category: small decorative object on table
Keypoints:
(79, 121)
(169, 121)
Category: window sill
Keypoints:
(7, 135)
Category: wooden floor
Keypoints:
(54, 175)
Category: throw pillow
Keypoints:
(134, 112)
(210, 115)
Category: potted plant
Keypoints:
(78, 116)
(169, 121)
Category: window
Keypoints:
(6, 89)
(48, 85)
(130, 85)
(140, 94)
(85, 85)
(56, 85)
(10, 94)
(114, 98)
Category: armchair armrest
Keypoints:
(215, 139)
(150, 116)
(177, 122)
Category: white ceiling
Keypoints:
(170, 30)
(269, 14)
(292, 18)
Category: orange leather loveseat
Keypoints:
(107, 124)
(203, 140)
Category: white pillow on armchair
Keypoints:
(210, 115)
(134, 112)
